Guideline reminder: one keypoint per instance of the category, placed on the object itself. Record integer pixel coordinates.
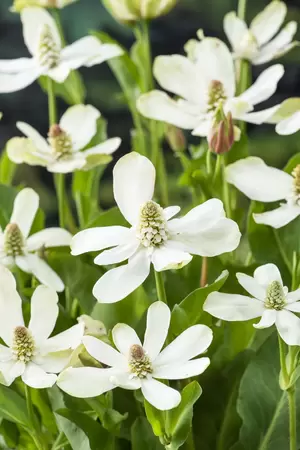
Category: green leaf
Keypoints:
(142, 437)
(292, 163)
(13, 407)
(72, 91)
(112, 216)
(7, 169)
(156, 418)
(7, 197)
(180, 419)
(10, 433)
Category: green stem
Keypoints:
(226, 191)
(218, 167)
(242, 9)
(282, 251)
(208, 162)
(51, 102)
(160, 287)
(282, 355)
(35, 433)
(294, 272)
(58, 441)
(185, 164)
(59, 180)
(292, 418)
(189, 443)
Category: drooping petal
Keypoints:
(168, 257)
(158, 105)
(279, 217)
(16, 81)
(125, 337)
(98, 238)
(25, 208)
(68, 339)
(288, 326)
(134, 181)
(267, 319)
(252, 286)
(235, 29)
(22, 150)
(192, 342)
(105, 148)
(290, 125)
(264, 275)
(44, 312)
(117, 283)
(35, 377)
(233, 307)
(267, 23)
(158, 322)
(258, 181)
(103, 352)
(117, 254)
(41, 143)
(159, 395)
(180, 372)
(43, 272)
(84, 382)
(80, 122)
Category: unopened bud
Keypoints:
(18, 5)
(135, 10)
(221, 138)
(175, 138)
(92, 327)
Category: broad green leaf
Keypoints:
(180, 419)
(41, 402)
(13, 407)
(77, 438)
(9, 431)
(156, 418)
(142, 437)
(109, 417)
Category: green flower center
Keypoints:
(48, 50)
(275, 298)
(152, 229)
(23, 344)
(59, 141)
(216, 95)
(13, 240)
(139, 363)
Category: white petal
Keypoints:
(159, 395)
(50, 237)
(293, 306)
(203, 127)
(68, 164)
(17, 81)
(125, 337)
(10, 306)
(68, 339)
(125, 381)
(23, 263)
(290, 125)
(159, 106)
(192, 342)
(267, 320)
(53, 362)
(293, 296)
(117, 254)
(180, 372)
(84, 382)
(25, 208)
(6, 353)
(267, 23)
(264, 275)
(78, 53)
(43, 272)
(80, 122)
(288, 326)
(259, 117)
(37, 378)
(251, 285)
(258, 181)
(11, 370)
(134, 181)
(105, 148)
(44, 312)
(41, 143)
(171, 211)
(34, 20)
(59, 73)
(117, 283)
(98, 238)
(279, 217)
(265, 85)
(103, 352)
(16, 65)
(23, 150)
(158, 322)
(235, 29)
(166, 257)
(233, 307)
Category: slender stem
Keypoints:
(59, 180)
(294, 272)
(208, 162)
(218, 167)
(292, 418)
(242, 9)
(189, 443)
(282, 355)
(160, 287)
(204, 269)
(282, 251)
(226, 191)
(35, 434)
(51, 102)
(58, 441)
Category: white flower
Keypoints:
(20, 249)
(21, 4)
(153, 237)
(61, 151)
(42, 38)
(257, 43)
(137, 365)
(267, 184)
(289, 125)
(205, 82)
(128, 11)
(30, 353)
(271, 301)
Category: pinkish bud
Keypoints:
(221, 138)
(175, 138)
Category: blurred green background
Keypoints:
(168, 35)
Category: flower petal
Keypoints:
(159, 395)
(68, 164)
(50, 237)
(44, 312)
(167, 257)
(68, 339)
(158, 322)
(134, 181)
(105, 148)
(103, 352)
(267, 23)
(84, 382)
(293, 296)
(180, 372)
(80, 122)
(37, 378)
(270, 184)
(125, 381)
(252, 286)
(288, 326)
(98, 238)
(267, 319)
(25, 208)
(233, 307)
(171, 211)
(17, 81)
(117, 283)
(16, 65)
(259, 117)
(192, 342)
(235, 29)
(41, 143)
(43, 272)
(11, 370)
(125, 337)
(117, 254)
(290, 125)
(22, 150)
(266, 274)
(159, 106)
(279, 217)
(293, 306)
(53, 362)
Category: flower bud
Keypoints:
(134, 10)
(221, 137)
(18, 5)
(92, 327)
(175, 138)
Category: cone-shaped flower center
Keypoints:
(275, 298)
(216, 95)
(13, 240)
(59, 140)
(48, 51)
(139, 363)
(152, 229)
(23, 344)
(296, 175)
